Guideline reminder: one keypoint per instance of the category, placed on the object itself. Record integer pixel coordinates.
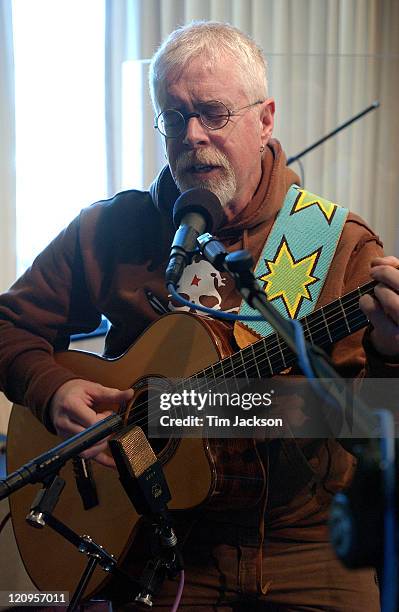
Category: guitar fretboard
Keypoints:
(271, 355)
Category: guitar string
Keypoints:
(276, 344)
(218, 378)
(140, 415)
(241, 368)
(327, 320)
(260, 346)
(249, 362)
(312, 329)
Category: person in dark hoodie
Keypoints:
(209, 89)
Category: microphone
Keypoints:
(142, 477)
(51, 461)
(195, 211)
(140, 472)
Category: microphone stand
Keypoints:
(144, 482)
(41, 515)
(344, 125)
(50, 462)
(45, 469)
(365, 547)
(239, 265)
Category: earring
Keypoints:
(262, 149)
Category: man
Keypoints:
(209, 89)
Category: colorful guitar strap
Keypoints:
(297, 255)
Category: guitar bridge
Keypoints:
(85, 482)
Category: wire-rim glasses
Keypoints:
(213, 115)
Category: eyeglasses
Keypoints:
(213, 115)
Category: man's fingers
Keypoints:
(385, 333)
(104, 459)
(106, 394)
(375, 314)
(381, 308)
(388, 301)
(67, 428)
(79, 404)
(387, 275)
(389, 260)
(83, 412)
(97, 448)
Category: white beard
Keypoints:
(223, 186)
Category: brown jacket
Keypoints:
(114, 253)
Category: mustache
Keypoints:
(206, 157)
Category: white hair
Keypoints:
(209, 40)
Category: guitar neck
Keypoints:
(271, 355)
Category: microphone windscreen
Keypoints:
(134, 450)
(203, 202)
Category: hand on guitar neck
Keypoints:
(382, 308)
(77, 404)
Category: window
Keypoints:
(60, 117)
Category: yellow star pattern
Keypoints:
(307, 199)
(290, 279)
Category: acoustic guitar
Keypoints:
(178, 345)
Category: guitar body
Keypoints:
(176, 346)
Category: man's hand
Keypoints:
(382, 309)
(77, 404)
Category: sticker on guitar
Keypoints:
(200, 284)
